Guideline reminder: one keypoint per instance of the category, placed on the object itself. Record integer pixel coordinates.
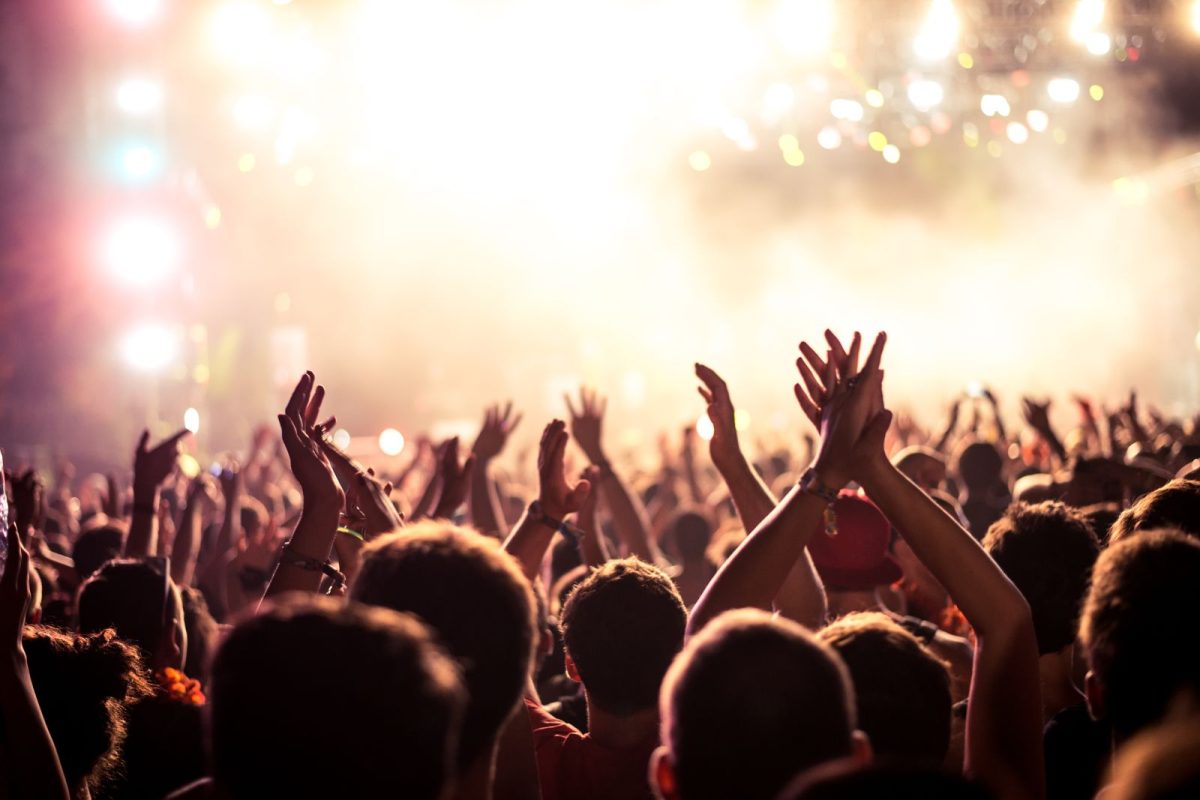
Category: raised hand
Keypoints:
(1036, 414)
(364, 491)
(300, 438)
(724, 443)
(454, 478)
(28, 495)
(498, 424)
(152, 466)
(586, 423)
(14, 590)
(556, 496)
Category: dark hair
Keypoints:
(1137, 626)
(1175, 505)
(849, 780)
(126, 595)
(622, 626)
(307, 685)
(691, 532)
(750, 702)
(979, 465)
(473, 595)
(83, 684)
(1047, 550)
(95, 546)
(902, 690)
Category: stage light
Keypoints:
(1096, 92)
(1017, 133)
(994, 105)
(141, 251)
(741, 419)
(891, 154)
(149, 347)
(140, 162)
(240, 32)
(877, 141)
(920, 136)
(304, 176)
(139, 96)
(246, 162)
(391, 442)
(874, 98)
(970, 134)
(805, 27)
(779, 98)
(704, 427)
(924, 94)
(848, 110)
(1038, 120)
(341, 438)
(1063, 90)
(1195, 16)
(829, 138)
(191, 420)
(253, 113)
(699, 161)
(135, 12)
(939, 33)
(1089, 14)
(1098, 43)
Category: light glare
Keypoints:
(191, 420)
(148, 347)
(847, 110)
(704, 427)
(135, 12)
(994, 105)
(924, 94)
(391, 442)
(1063, 90)
(939, 33)
(142, 251)
(139, 96)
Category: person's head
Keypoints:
(924, 466)
(1137, 625)
(901, 689)
(1047, 550)
(856, 558)
(750, 702)
(83, 684)
(1161, 763)
(849, 779)
(1176, 505)
(691, 533)
(142, 604)
(253, 515)
(622, 625)
(472, 594)
(322, 699)
(979, 465)
(95, 546)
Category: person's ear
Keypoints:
(1094, 692)
(546, 642)
(662, 775)
(572, 670)
(860, 748)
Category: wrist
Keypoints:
(145, 494)
(873, 471)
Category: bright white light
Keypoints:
(829, 138)
(805, 27)
(1195, 15)
(891, 154)
(1038, 120)
(241, 32)
(924, 94)
(741, 419)
(1017, 133)
(139, 162)
(252, 112)
(139, 96)
(142, 250)
(1088, 16)
(191, 420)
(994, 105)
(704, 427)
(1098, 43)
(341, 438)
(779, 98)
(135, 12)
(149, 347)
(1063, 90)
(391, 442)
(848, 110)
(939, 33)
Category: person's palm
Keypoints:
(152, 466)
(557, 497)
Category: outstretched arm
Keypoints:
(483, 502)
(801, 596)
(627, 512)
(150, 468)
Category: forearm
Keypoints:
(312, 539)
(628, 516)
(31, 758)
(591, 544)
(528, 543)
(755, 572)
(143, 530)
(186, 547)
(429, 496)
(482, 502)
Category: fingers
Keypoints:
(875, 432)
(809, 408)
(298, 402)
(173, 441)
(707, 395)
(814, 360)
(142, 440)
(570, 407)
(876, 354)
(850, 365)
(830, 377)
(815, 390)
(512, 425)
(314, 407)
(837, 352)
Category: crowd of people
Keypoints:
(972, 612)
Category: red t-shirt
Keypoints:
(571, 766)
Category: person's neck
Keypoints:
(846, 602)
(1058, 690)
(618, 732)
(476, 782)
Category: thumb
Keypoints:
(876, 430)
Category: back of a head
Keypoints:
(95, 546)
(323, 699)
(692, 533)
(1175, 505)
(82, 685)
(622, 626)
(1047, 550)
(475, 598)
(979, 465)
(127, 596)
(1162, 763)
(902, 690)
(749, 703)
(850, 780)
(1137, 628)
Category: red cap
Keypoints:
(857, 558)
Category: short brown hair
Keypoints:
(902, 690)
(750, 702)
(474, 596)
(1175, 505)
(622, 625)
